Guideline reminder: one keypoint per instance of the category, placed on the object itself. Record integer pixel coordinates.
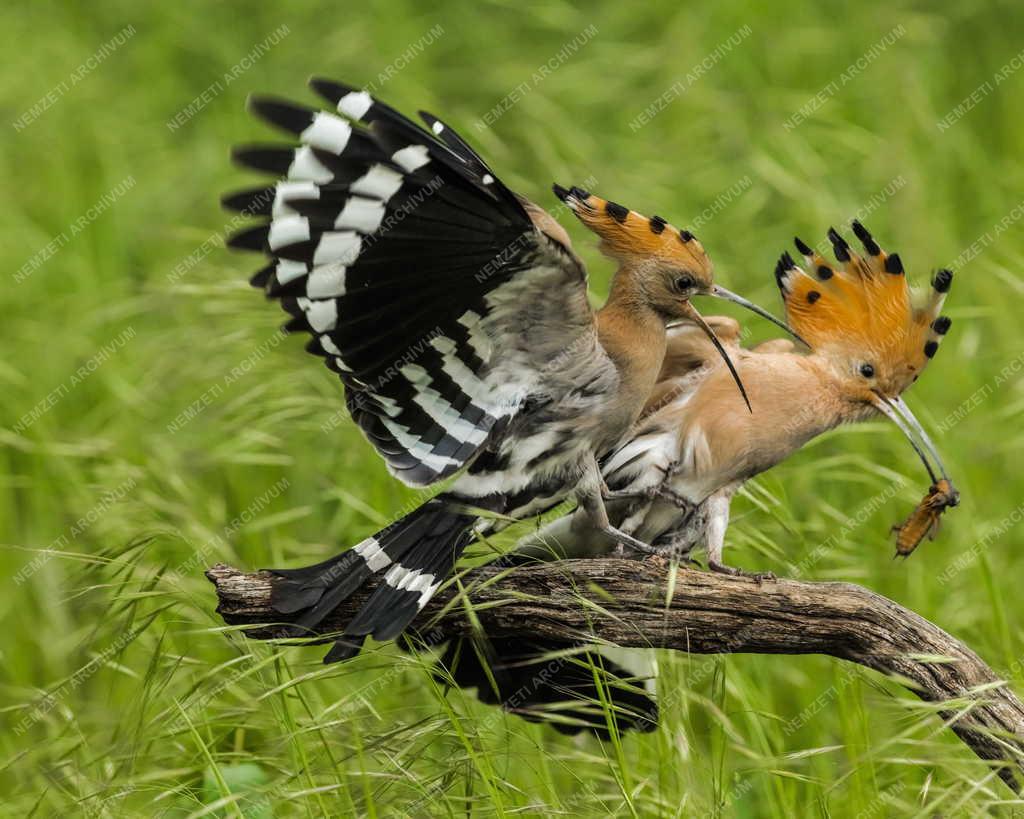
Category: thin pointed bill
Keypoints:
(908, 416)
(720, 292)
(692, 313)
(899, 413)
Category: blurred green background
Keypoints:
(153, 422)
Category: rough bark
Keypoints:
(707, 614)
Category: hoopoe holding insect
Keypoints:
(673, 480)
(692, 450)
(455, 313)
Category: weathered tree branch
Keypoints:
(708, 614)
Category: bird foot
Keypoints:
(673, 497)
(629, 546)
(650, 493)
(669, 557)
(732, 571)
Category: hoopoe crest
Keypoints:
(865, 319)
(628, 236)
(864, 311)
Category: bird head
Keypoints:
(863, 320)
(668, 265)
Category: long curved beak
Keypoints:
(899, 413)
(692, 313)
(720, 292)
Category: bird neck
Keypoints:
(633, 335)
(794, 396)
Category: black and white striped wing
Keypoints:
(413, 269)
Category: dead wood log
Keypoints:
(708, 614)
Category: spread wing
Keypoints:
(418, 275)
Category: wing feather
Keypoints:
(423, 281)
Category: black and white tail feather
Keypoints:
(571, 686)
(564, 685)
(415, 554)
(417, 275)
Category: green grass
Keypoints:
(156, 709)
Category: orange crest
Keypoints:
(626, 234)
(864, 307)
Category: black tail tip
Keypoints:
(344, 648)
(802, 247)
(560, 192)
(942, 281)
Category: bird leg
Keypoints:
(589, 494)
(660, 492)
(718, 522)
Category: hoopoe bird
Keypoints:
(675, 476)
(455, 313)
(869, 340)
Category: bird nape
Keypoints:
(455, 313)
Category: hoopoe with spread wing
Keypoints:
(869, 341)
(455, 313)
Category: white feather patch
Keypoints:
(329, 346)
(412, 580)
(427, 593)
(341, 365)
(411, 157)
(288, 230)
(643, 452)
(364, 215)
(378, 182)
(370, 551)
(306, 166)
(326, 282)
(321, 315)
(288, 270)
(327, 132)
(355, 104)
(286, 191)
(478, 339)
(341, 247)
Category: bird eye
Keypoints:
(684, 283)
(867, 370)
